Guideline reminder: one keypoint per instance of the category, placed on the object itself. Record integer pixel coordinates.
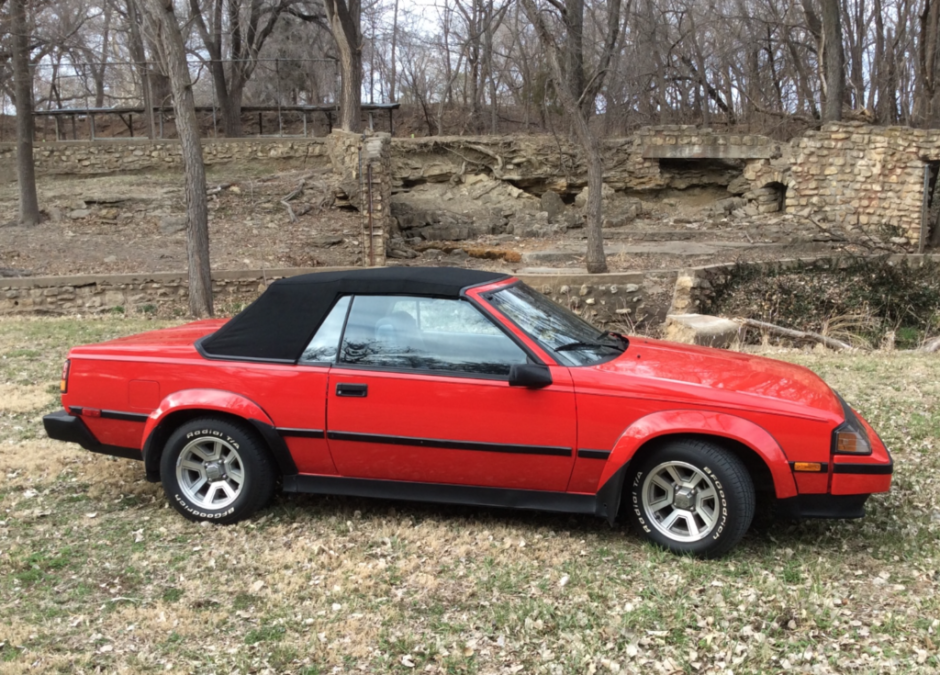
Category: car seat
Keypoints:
(399, 332)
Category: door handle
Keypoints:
(352, 390)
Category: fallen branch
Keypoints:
(293, 195)
(832, 343)
(218, 188)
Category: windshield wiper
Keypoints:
(617, 336)
(589, 345)
(620, 346)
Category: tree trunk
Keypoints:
(231, 123)
(927, 110)
(99, 70)
(23, 86)
(139, 57)
(574, 48)
(596, 260)
(344, 16)
(194, 186)
(392, 64)
(833, 58)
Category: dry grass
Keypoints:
(98, 575)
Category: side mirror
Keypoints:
(531, 375)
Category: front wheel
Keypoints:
(691, 497)
(216, 470)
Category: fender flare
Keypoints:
(698, 422)
(212, 400)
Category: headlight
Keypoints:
(852, 443)
(850, 437)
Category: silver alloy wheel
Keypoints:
(680, 501)
(210, 472)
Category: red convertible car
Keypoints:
(469, 387)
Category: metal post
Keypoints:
(91, 120)
(391, 123)
(304, 113)
(371, 122)
(277, 74)
(161, 121)
(153, 129)
(215, 124)
(130, 116)
(57, 134)
(260, 124)
(925, 211)
(371, 224)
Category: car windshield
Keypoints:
(570, 338)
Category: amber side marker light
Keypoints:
(810, 467)
(64, 383)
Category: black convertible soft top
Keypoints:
(281, 323)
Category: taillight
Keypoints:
(64, 383)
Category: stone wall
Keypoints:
(849, 173)
(84, 158)
(376, 197)
(613, 300)
(165, 293)
(362, 166)
(540, 163)
(621, 301)
(695, 287)
(865, 176)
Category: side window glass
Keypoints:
(426, 334)
(324, 344)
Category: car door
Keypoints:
(420, 392)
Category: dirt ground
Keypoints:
(134, 223)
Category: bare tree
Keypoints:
(241, 26)
(23, 85)
(173, 50)
(139, 56)
(573, 101)
(344, 17)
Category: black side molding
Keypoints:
(125, 416)
(593, 454)
(445, 444)
(441, 493)
(301, 433)
(61, 426)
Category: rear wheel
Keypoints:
(216, 470)
(692, 497)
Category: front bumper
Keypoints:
(61, 426)
(822, 506)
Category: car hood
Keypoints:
(722, 376)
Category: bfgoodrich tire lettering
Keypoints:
(216, 470)
(691, 496)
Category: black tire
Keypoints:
(699, 498)
(216, 470)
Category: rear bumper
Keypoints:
(61, 426)
(822, 506)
